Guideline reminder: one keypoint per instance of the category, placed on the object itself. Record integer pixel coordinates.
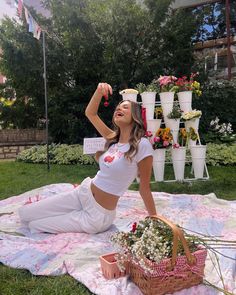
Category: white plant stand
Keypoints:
(188, 160)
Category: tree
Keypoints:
(87, 41)
(211, 20)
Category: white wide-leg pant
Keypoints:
(73, 211)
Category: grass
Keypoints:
(16, 178)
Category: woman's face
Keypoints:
(123, 115)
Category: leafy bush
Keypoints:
(221, 154)
(58, 153)
(217, 154)
(220, 133)
(217, 100)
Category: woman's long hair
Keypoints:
(137, 132)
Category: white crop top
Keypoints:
(116, 172)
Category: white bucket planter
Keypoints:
(167, 101)
(148, 101)
(185, 100)
(159, 164)
(194, 123)
(173, 124)
(198, 153)
(153, 125)
(129, 96)
(178, 158)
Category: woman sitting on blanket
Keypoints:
(91, 207)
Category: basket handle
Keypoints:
(177, 235)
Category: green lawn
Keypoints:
(16, 178)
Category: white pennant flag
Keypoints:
(27, 15)
(37, 31)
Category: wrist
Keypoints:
(98, 94)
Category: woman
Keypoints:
(91, 207)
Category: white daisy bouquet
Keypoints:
(191, 115)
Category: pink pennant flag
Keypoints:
(39, 33)
(20, 7)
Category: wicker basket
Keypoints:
(174, 274)
(109, 267)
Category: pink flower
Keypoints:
(165, 80)
(156, 139)
(165, 143)
(148, 133)
(176, 146)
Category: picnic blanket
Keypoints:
(78, 254)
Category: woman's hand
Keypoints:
(104, 89)
(91, 112)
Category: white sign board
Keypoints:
(92, 145)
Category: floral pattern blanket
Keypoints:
(78, 254)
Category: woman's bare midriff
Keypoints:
(106, 200)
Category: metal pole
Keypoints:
(227, 13)
(46, 99)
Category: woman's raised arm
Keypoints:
(91, 112)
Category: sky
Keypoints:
(6, 9)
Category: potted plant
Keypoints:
(158, 113)
(154, 260)
(148, 96)
(191, 119)
(167, 91)
(154, 124)
(160, 142)
(184, 88)
(192, 137)
(173, 119)
(182, 137)
(129, 94)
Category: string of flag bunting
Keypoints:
(33, 26)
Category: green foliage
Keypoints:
(176, 112)
(152, 87)
(221, 154)
(21, 62)
(220, 132)
(58, 153)
(218, 99)
(64, 154)
(121, 42)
